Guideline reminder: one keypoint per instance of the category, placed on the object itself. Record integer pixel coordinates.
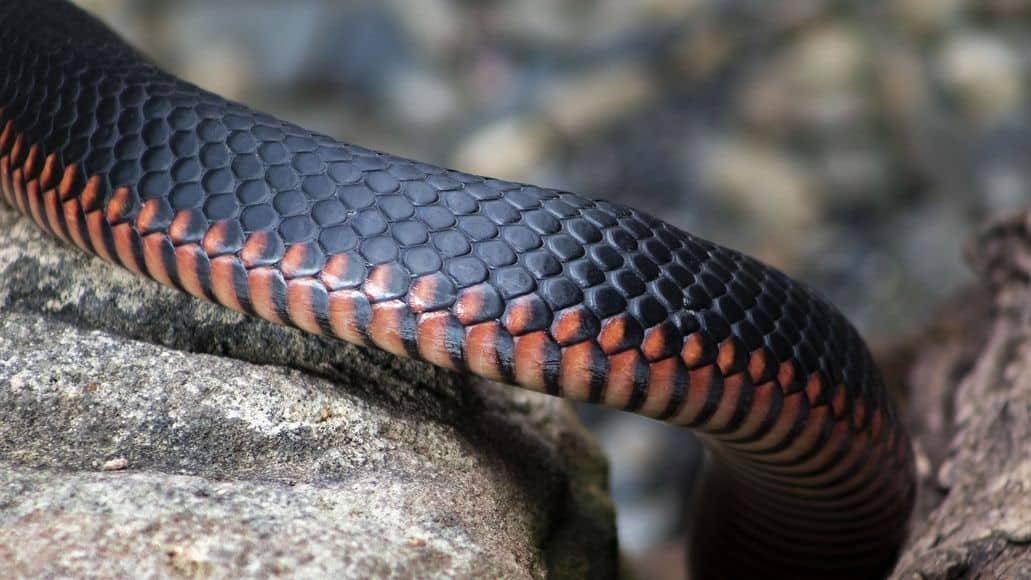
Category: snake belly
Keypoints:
(579, 298)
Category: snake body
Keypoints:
(545, 289)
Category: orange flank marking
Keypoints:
(791, 412)
(335, 273)
(423, 294)
(520, 314)
(431, 337)
(726, 356)
(19, 190)
(579, 367)
(95, 224)
(763, 397)
(343, 314)
(621, 378)
(36, 209)
(814, 388)
(733, 387)
(858, 413)
(299, 303)
(48, 177)
(613, 332)
(118, 205)
(223, 271)
(469, 306)
(857, 445)
(7, 137)
(253, 250)
(262, 283)
(295, 261)
(74, 218)
(828, 449)
(153, 257)
(16, 149)
(181, 229)
(147, 218)
(529, 360)
(385, 328)
(125, 241)
(656, 344)
(662, 380)
(52, 206)
(785, 375)
(481, 354)
(32, 163)
(809, 437)
(757, 364)
(66, 187)
(188, 258)
(5, 181)
(567, 327)
(216, 240)
(90, 197)
(379, 282)
(700, 381)
(839, 402)
(693, 350)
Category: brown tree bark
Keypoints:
(967, 384)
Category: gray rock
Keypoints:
(145, 433)
(985, 74)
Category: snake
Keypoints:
(813, 472)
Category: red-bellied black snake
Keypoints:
(544, 289)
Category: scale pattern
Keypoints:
(546, 289)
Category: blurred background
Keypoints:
(855, 145)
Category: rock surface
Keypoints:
(145, 433)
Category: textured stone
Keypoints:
(146, 433)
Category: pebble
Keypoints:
(507, 148)
(984, 74)
(115, 464)
(580, 103)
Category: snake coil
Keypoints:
(544, 289)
